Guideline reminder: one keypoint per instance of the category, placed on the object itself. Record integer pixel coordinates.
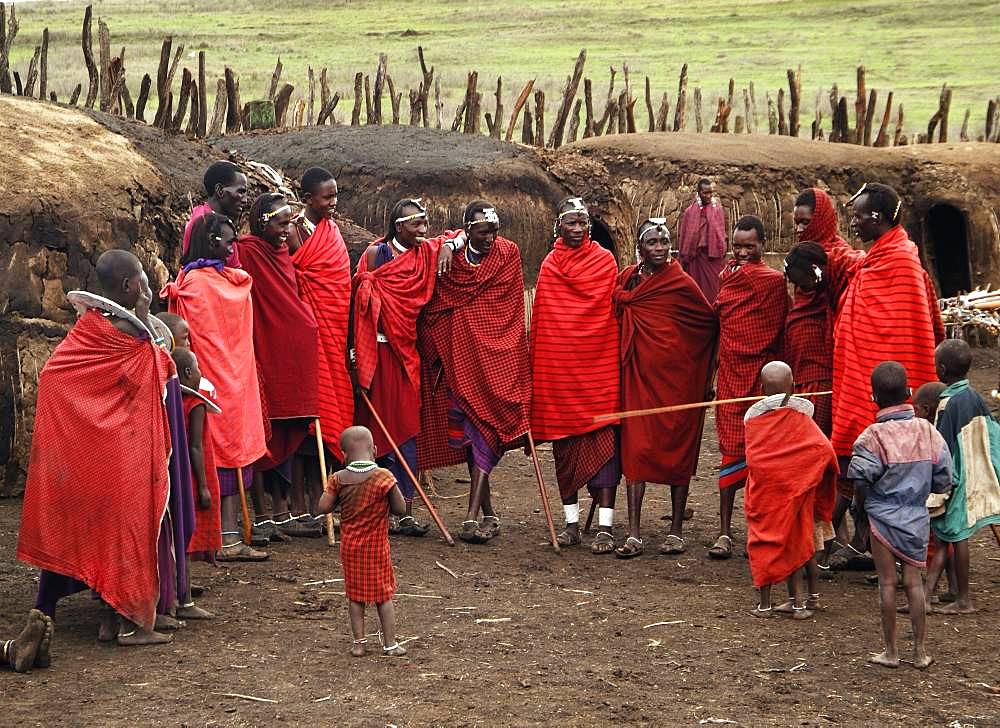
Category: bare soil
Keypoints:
(571, 638)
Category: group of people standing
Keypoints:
(278, 356)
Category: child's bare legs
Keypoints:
(962, 605)
(763, 608)
(356, 610)
(885, 565)
(187, 609)
(812, 579)
(794, 584)
(387, 620)
(918, 617)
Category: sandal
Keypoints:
(722, 548)
(673, 545)
(760, 611)
(408, 526)
(491, 527)
(630, 549)
(569, 538)
(604, 543)
(801, 613)
(470, 533)
(812, 602)
(239, 552)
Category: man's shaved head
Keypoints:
(357, 443)
(113, 267)
(184, 358)
(776, 378)
(925, 399)
(178, 328)
(889, 384)
(953, 359)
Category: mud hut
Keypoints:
(950, 192)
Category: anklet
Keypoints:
(5, 650)
(391, 647)
(188, 605)
(127, 634)
(797, 609)
(361, 642)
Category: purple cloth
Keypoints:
(51, 588)
(608, 476)
(390, 463)
(479, 452)
(205, 263)
(228, 482)
(181, 503)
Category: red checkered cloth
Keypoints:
(97, 478)
(843, 260)
(207, 536)
(580, 458)
(822, 406)
(752, 307)
(889, 313)
(473, 346)
(364, 536)
(323, 271)
(575, 366)
(388, 300)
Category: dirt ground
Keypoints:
(518, 636)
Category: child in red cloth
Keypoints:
(207, 536)
(365, 493)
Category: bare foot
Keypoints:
(358, 649)
(22, 649)
(802, 613)
(107, 628)
(394, 651)
(921, 660)
(193, 612)
(812, 602)
(43, 657)
(166, 623)
(955, 608)
(884, 660)
(135, 636)
(785, 608)
(762, 612)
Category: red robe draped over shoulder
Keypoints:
(668, 332)
(791, 483)
(323, 272)
(219, 312)
(473, 346)
(752, 307)
(889, 313)
(285, 345)
(574, 342)
(97, 477)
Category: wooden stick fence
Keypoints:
(735, 112)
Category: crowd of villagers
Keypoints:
(418, 358)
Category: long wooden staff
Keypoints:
(692, 405)
(331, 537)
(245, 507)
(996, 532)
(541, 492)
(590, 515)
(416, 484)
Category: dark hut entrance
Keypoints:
(600, 233)
(947, 246)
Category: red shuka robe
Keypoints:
(752, 307)
(668, 332)
(474, 347)
(889, 313)
(323, 271)
(207, 536)
(574, 342)
(702, 245)
(219, 312)
(285, 345)
(97, 478)
(791, 483)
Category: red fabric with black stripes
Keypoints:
(207, 536)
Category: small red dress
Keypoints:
(207, 536)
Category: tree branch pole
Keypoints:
(244, 508)
(541, 492)
(331, 536)
(691, 405)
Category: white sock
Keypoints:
(572, 512)
(606, 517)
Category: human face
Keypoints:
(277, 229)
(573, 228)
(221, 247)
(654, 250)
(802, 279)
(182, 335)
(481, 234)
(746, 247)
(705, 193)
(144, 298)
(802, 216)
(323, 200)
(191, 375)
(411, 232)
(232, 198)
(862, 223)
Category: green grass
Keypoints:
(907, 46)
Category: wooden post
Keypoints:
(527, 133)
(897, 137)
(182, 101)
(843, 122)
(963, 135)
(119, 90)
(882, 138)
(945, 108)
(32, 77)
(88, 58)
(497, 109)
(233, 107)
(772, 116)
(470, 117)
(311, 110)
(428, 76)
(569, 95)
(794, 100)
(104, 64)
(782, 124)
(394, 98)
(356, 111)
(739, 126)
(168, 110)
(518, 105)
(663, 116)
(126, 97)
(415, 96)
(140, 102)
(8, 30)
(192, 125)
(43, 66)
(574, 121)
(540, 118)
(74, 97)
(326, 113)
(649, 108)
(438, 104)
(697, 110)
(324, 94)
(747, 112)
(275, 78)
(608, 105)
(377, 90)
(860, 108)
(680, 111)
(460, 113)
(369, 107)
(588, 99)
(625, 124)
(281, 101)
(866, 137)
(201, 128)
(753, 107)
(730, 100)
(219, 116)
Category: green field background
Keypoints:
(908, 47)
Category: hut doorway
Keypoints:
(947, 245)
(600, 233)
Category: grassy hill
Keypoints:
(908, 47)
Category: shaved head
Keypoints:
(776, 378)
(889, 384)
(187, 367)
(953, 359)
(357, 443)
(925, 399)
(183, 358)
(113, 267)
(178, 328)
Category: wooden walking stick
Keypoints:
(541, 492)
(402, 461)
(245, 507)
(590, 515)
(692, 405)
(996, 532)
(331, 537)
